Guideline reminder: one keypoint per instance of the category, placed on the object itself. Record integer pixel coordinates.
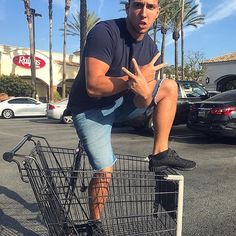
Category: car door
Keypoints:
(19, 106)
(35, 108)
(189, 92)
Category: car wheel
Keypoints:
(149, 125)
(7, 114)
(67, 119)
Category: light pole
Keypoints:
(33, 14)
(182, 39)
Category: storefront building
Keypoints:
(16, 60)
(221, 73)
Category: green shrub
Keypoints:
(13, 85)
(57, 96)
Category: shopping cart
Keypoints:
(140, 202)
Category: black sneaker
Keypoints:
(95, 228)
(169, 159)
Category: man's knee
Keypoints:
(169, 86)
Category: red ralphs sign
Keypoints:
(24, 61)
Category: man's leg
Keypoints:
(94, 131)
(163, 117)
(164, 114)
(98, 192)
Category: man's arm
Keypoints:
(100, 85)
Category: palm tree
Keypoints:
(190, 18)
(73, 27)
(83, 26)
(29, 15)
(165, 8)
(67, 8)
(51, 97)
(167, 13)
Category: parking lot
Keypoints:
(209, 196)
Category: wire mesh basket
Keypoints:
(139, 202)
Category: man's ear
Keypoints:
(158, 12)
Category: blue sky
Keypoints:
(215, 38)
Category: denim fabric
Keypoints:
(94, 128)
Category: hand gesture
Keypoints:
(149, 70)
(137, 81)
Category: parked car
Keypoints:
(22, 106)
(58, 111)
(213, 92)
(215, 116)
(188, 92)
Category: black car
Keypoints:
(189, 92)
(215, 116)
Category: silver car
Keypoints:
(58, 111)
(22, 106)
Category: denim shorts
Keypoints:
(94, 127)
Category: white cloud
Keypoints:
(199, 3)
(222, 11)
(100, 6)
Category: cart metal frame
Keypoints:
(140, 202)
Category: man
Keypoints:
(117, 75)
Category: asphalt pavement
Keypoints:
(209, 196)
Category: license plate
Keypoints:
(202, 114)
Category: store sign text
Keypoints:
(25, 62)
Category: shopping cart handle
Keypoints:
(8, 156)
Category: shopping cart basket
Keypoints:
(139, 202)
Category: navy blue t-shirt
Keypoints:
(110, 42)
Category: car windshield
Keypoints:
(193, 89)
(225, 96)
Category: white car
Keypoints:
(58, 111)
(22, 106)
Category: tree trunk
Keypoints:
(51, 97)
(155, 31)
(176, 60)
(175, 37)
(30, 20)
(67, 8)
(163, 45)
(83, 26)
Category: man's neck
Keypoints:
(135, 35)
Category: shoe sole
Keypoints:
(184, 169)
(161, 168)
(158, 169)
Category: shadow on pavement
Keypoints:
(10, 224)
(16, 197)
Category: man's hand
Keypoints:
(137, 81)
(149, 70)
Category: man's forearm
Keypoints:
(107, 86)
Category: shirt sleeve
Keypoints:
(99, 43)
